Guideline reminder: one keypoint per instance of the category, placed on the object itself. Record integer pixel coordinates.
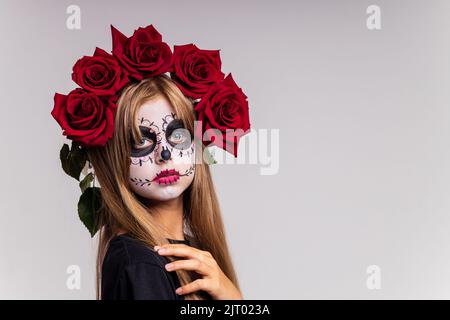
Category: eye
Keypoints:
(146, 145)
(180, 138)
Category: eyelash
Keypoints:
(140, 146)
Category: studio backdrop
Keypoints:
(340, 191)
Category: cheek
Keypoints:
(144, 170)
(183, 157)
(141, 175)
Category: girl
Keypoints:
(161, 234)
(161, 223)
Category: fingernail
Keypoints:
(169, 266)
(162, 250)
(179, 290)
(156, 248)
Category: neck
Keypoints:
(169, 214)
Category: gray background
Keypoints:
(364, 143)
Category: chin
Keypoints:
(164, 193)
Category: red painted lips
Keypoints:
(168, 176)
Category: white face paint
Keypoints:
(163, 165)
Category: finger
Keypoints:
(182, 250)
(176, 245)
(191, 264)
(199, 284)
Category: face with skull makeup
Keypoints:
(162, 163)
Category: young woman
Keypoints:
(155, 193)
(161, 234)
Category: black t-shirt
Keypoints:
(132, 270)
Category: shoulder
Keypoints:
(132, 270)
(127, 251)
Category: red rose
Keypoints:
(196, 70)
(100, 74)
(224, 107)
(85, 117)
(144, 54)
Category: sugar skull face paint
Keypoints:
(163, 163)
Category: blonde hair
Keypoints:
(122, 209)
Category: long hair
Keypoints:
(122, 209)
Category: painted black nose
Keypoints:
(165, 154)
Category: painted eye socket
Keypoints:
(180, 139)
(146, 145)
(178, 136)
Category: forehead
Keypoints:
(155, 110)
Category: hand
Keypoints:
(213, 280)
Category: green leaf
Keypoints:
(73, 160)
(63, 156)
(88, 206)
(208, 157)
(86, 182)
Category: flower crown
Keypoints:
(86, 114)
